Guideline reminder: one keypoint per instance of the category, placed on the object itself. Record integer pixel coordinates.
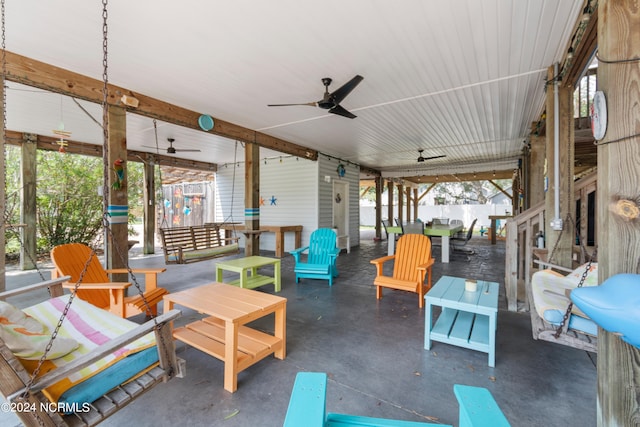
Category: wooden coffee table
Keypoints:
(250, 264)
(222, 334)
(468, 319)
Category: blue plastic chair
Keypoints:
(308, 407)
(613, 305)
(322, 253)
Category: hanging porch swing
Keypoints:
(67, 362)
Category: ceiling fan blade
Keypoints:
(342, 112)
(310, 104)
(341, 93)
(434, 157)
(187, 149)
(155, 148)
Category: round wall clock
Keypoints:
(599, 115)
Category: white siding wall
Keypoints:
(291, 181)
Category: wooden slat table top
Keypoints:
(269, 228)
(240, 264)
(450, 292)
(227, 302)
(442, 230)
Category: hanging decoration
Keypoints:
(261, 201)
(341, 170)
(118, 170)
(63, 134)
(273, 200)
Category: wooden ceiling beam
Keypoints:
(30, 72)
(461, 177)
(49, 143)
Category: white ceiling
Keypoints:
(461, 78)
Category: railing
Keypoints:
(521, 232)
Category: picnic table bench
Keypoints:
(182, 245)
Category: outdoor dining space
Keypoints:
(373, 352)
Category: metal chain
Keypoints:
(147, 306)
(105, 132)
(570, 307)
(105, 106)
(4, 100)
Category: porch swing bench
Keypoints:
(549, 297)
(183, 245)
(111, 360)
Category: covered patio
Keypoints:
(372, 351)
(480, 98)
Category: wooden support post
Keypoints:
(252, 198)
(563, 253)
(535, 191)
(408, 192)
(117, 247)
(149, 222)
(28, 176)
(415, 204)
(400, 204)
(390, 187)
(617, 200)
(379, 185)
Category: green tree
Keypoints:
(69, 206)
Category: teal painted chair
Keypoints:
(308, 407)
(322, 253)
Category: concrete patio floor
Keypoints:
(373, 352)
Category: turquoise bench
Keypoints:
(307, 407)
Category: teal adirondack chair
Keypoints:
(321, 257)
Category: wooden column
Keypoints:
(379, 184)
(117, 250)
(149, 222)
(563, 253)
(415, 204)
(400, 204)
(535, 179)
(390, 187)
(252, 198)
(408, 192)
(617, 200)
(28, 175)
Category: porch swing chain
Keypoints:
(593, 256)
(105, 110)
(567, 312)
(109, 232)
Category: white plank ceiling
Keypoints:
(461, 78)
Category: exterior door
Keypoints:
(341, 212)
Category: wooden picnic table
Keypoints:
(279, 231)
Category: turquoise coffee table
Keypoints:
(468, 319)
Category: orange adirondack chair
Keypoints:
(96, 287)
(412, 262)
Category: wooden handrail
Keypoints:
(521, 231)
